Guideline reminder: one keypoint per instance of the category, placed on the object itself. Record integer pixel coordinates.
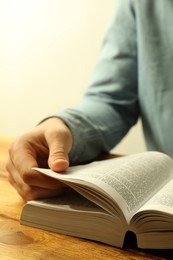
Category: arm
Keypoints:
(110, 105)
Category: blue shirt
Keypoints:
(132, 78)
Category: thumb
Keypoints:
(59, 148)
(58, 158)
(59, 140)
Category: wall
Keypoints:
(47, 53)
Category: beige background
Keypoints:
(48, 49)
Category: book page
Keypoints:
(162, 200)
(70, 200)
(130, 180)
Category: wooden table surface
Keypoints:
(22, 242)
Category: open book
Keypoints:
(109, 198)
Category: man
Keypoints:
(133, 77)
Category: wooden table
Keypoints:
(22, 242)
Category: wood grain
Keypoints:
(22, 242)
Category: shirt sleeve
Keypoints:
(109, 107)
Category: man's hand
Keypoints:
(47, 145)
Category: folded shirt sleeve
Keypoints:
(109, 107)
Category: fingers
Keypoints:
(22, 154)
(40, 189)
(23, 157)
(50, 143)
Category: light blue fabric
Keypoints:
(132, 78)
